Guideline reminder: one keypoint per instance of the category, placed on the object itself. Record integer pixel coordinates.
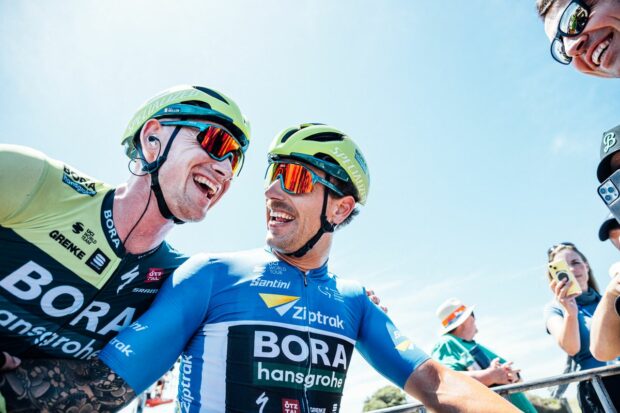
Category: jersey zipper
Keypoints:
(305, 402)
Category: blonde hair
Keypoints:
(553, 251)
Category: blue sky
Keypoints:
(482, 149)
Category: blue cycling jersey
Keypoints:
(258, 335)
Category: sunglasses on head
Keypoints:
(216, 141)
(295, 178)
(572, 22)
(555, 247)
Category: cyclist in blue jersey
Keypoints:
(272, 330)
(81, 259)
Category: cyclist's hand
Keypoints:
(9, 362)
(375, 299)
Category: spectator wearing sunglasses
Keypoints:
(288, 346)
(568, 318)
(585, 33)
(81, 259)
(458, 350)
(605, 338)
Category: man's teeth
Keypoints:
(600, 49)
(211, 187)
(281, 215)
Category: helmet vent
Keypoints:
(197, 103)
(325, 137)
(211, 93)
(288, 135)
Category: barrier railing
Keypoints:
(593, 374)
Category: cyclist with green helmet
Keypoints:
(289, 346)
(83, 259)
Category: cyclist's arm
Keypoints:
(445, 390)
(399, 360)
(144, 351)
(21, 173)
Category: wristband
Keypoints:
(617, 305)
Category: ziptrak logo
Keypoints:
(280, 303)
(401, 343)
(283, 303)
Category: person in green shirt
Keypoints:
(457, 349)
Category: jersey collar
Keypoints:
(108, 227)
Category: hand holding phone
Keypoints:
(560, 271)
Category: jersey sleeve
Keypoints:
(145, 350)
(21, 174)
(384, 347)
(451, 355)
(552, 310)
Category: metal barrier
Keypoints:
(593, 374)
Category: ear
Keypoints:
(341, 208)
(153, 147)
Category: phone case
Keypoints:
(560, 270)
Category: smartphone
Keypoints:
(560, 271)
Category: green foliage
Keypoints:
(387, 396)
(548, 405)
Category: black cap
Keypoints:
(607, 225)
(610, 144)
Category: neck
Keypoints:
(130, 200)
(314, 258)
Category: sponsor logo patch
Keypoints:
(280, 303)
(98, 261)
(78, 227)
(154, 275)
(259, 282)
(290, 406)
(77, 182)
(331, 293)
(67, 244)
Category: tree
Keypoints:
(387, 396)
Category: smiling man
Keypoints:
(272, 330)
(585, 33)
(81, 259)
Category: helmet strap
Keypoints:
(152, 168)
(326, 226)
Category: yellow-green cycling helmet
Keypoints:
(310, 140)
(186, 101)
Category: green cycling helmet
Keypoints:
(186, 101)
(309, 140)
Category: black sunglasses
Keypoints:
(572, 23)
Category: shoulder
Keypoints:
(207, 265)
(19, 160)
(18, 152)
(445, 343)
(349, 288)
(448, 352)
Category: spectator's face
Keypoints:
(468, 329)
(614, 237)
(596, 51)
(577, 265)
